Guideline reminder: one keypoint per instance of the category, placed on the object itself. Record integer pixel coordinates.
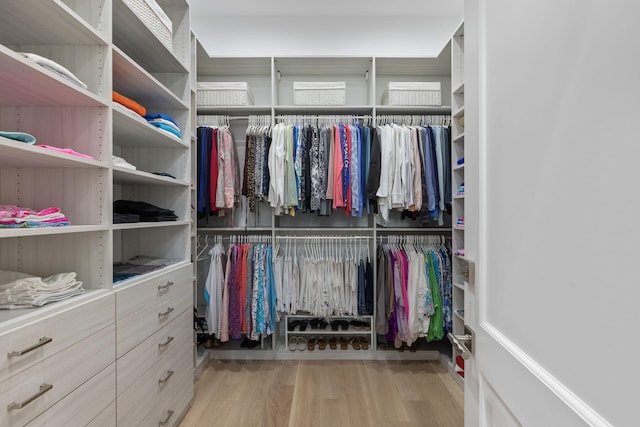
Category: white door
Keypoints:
(552, 99)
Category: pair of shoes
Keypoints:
(360, 325)
(344, 344)
(318, 323)
(333, 343)
(291, 326)
(342, 324)
(355, 343)
(297, 343)
(364, 343)
(248, 343)
(322, 343)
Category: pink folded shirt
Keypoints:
(67, 151)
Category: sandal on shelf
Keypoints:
(303, 325)
(364, 343)
(335, 324)
(333, 343)
(314, 323)
(355, 343)
(322, 343)
(357, 325)
(293, 343)
(323, 324)
(311, 344)
(302, 343)
(291, 326)
(344, 325)
(344, 344)
(366, 326)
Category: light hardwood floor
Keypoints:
(325, 394)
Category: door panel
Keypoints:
(551, 99)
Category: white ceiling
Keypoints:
(355, 8)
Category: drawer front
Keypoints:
(178, 335)
(175, 402)
(107, 418)
(32, 343)
(84, 404)
(139, 404)
(64, 372)
(133, 298)
(154, 308)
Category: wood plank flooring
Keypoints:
(325, 394)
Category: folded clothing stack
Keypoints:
(21, 290)
(164, 122)
(128, 103)
(138, 265)
(12, 216)
(54, 67)
(147, 211)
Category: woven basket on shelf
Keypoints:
(223, 94)
(319, 93)
(154, 18)
(413, 94)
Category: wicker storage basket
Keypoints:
(154, 18)
(319, 93)
(223, 93)
(412, 93)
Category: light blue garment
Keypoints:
(19, 136)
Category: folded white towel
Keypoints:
(55, 67)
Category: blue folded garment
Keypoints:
(19, 136)
(166, 128)
(461, 160)
(160, 116)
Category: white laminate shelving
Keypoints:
(459, 264)
(270, 80)
(106, 46)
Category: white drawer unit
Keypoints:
(87, 404)
(139, 404)
(25, 396)
(176, 336)
(175, 400)
(106, 418)
(31, 343)
(145, 307)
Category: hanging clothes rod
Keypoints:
(312, 238)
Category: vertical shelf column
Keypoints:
(461, 266)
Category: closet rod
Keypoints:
(311, 238)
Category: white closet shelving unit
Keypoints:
(271, 81)
(462, 265)
(105, 351)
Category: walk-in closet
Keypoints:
(291, 213)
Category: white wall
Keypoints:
(349, 34)
(560, 123)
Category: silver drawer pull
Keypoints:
(166, 343)
(42, 341)
(166, 420)
(166, 313)
(165, 379)
(44, 387)
(165, 286)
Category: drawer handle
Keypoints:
(166, 420)
(166, 313)
(44, 387)
(165, 379)
(42, 341)
(165, 286)
(166, 343)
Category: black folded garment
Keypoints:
(119, 218)
(147, 211)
